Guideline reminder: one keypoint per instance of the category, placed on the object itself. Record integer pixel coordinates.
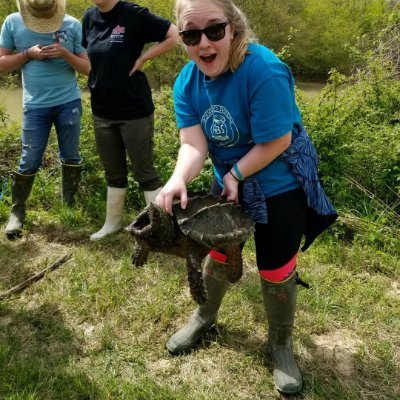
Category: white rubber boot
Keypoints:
(150, 196)
(115, 208)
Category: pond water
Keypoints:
(12, 99)
(310, 88)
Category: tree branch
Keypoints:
(36, 277)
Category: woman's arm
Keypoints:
(256, 159)
(170, 40)
(263, 154)
(191, 157)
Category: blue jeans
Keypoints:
(36, 127)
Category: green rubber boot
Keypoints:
(70, 177)
(21, 187)
(204, 317)
(280, 305)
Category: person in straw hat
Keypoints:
(45, 44)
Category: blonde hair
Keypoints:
(243, 35)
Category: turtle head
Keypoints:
(153, 224)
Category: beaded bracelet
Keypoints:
(237, 172)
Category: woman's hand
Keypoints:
(139, 63)
(191, 158)
(231, 188)
(170, 40)
(174, 188)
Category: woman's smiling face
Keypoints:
(212, 58)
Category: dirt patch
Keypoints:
(338, 348)
(5, 320)
(394, 290)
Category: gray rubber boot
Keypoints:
(21, 187)
(70, 177)
(204, 317)
(280, 305)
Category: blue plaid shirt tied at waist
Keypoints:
(303, 160)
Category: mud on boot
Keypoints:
(70, 178)
(216, 283)
(21, 187)
(280, 305)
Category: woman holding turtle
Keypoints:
(234, 101)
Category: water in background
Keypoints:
(12, 99)
(311, 89)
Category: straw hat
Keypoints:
(43, 16)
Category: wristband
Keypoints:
(25, 53)
(237, 172)
(236, 179)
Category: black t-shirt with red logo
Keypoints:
(114, 40)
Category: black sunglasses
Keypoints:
(214, 33)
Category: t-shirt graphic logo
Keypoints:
(219, 130)
(219, 126)
(60, 37)
(117, 34)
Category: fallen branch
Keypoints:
(35, 277)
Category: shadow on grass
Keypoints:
(37, 350)
(65, 235)
(334, 371)
(62, 234)
(15, 261)
(340, 374)
(329, 371)
(324, 374)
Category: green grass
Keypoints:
(96, 327)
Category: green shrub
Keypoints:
(324, 30)
(353, 125)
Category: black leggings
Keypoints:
(278, 241)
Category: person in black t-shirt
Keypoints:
(114, 34)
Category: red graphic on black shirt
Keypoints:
(118, 30)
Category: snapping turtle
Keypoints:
(208, 222)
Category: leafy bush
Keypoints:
(320, 32)
(354, 127)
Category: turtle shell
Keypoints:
(213, 221)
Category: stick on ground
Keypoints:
(36, 277)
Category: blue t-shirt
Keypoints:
(48, 82)
(255, 104)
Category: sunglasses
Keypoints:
(214, 33)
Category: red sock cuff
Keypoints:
(279, 274)
(218, 257)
